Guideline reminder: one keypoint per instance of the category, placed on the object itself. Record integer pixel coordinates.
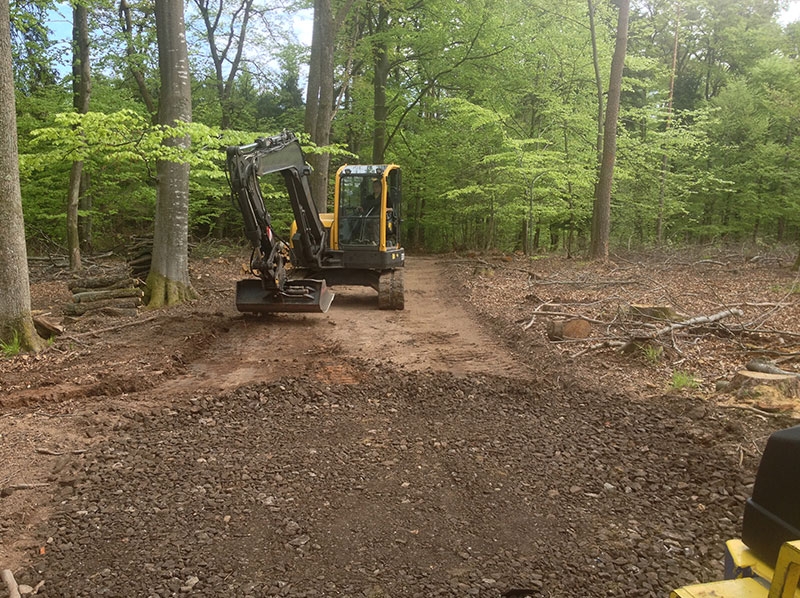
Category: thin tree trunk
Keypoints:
(381, 76)
(665, 157)
(131, 53)
(81, 91)
(226, 66)
(598, 83)
(73, 201)
(601, 213)
(16, 322)
(85, 205)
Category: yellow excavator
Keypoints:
(358, 244)
(765, 562)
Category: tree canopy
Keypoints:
(494, 109)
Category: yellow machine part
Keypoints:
(764, 583)
(326, 219)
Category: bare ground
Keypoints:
(448, 449)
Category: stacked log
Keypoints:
(112, 296)
(141, 255)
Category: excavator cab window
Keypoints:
(393, 206)
(359, 210)
(369, 199)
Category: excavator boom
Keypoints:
(275, 291)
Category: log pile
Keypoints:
(111, 296)
(141, 255)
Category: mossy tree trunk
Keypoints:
(16, 323)
(168, 282)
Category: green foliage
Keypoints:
(11, 348)
(653, 354)
(490, 109)
(682, 380)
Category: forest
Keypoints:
(493, 108)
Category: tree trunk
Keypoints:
(665, 157)
(601, 213)
(16, 322)
(381, 76)
(81, 90)
(85, 205)
(73, 201)
(168, 282)
(319, 99)
(319, 94)
(597, 82)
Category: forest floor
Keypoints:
(450, 449)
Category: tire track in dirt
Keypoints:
(434, 331)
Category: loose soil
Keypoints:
(449, 449)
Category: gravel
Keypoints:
(409, 485)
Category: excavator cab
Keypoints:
(367, 204)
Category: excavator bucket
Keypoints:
(297, 296)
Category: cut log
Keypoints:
(100, 282)
(121, 283)
(78, 309)
(767, 368)
(576, 328)
(109, 294)
(142, 260)
(770, 392)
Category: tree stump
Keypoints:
(770, 392)
(575, 328)
(653, 312)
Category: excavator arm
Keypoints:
(275, 291)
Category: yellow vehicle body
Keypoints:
(765, 563)
(753, 577)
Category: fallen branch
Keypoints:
(588, 283)
(698, 320)
(601, 345)
(768, 368)
(25, 486)
(644, 336)
(109, 329)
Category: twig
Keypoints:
(569, 315)
(762, 414)
(8, 577)
(26, 486)
(588, 283)
(46, 451)
(601, 345)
